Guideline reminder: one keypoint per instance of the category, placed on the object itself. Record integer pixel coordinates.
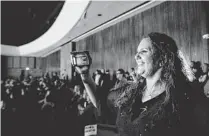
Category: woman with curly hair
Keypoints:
(160, 105)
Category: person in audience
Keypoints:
(64, 75)
(128, 77)
(133, 75)
(113, 95)
(196, 68)
(204, 79)
(22, 75)
(107, 72)
(204, 76)
(120, 75)
(46, 77)
(162, 105)
(201, 109)
(55, 76)
(102, 71)
(98, 78)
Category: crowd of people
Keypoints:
(201, 73)
(49, 105)
(44, 105)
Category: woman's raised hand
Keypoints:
(82, 69)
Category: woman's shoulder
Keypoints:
(117, 91)
(126, 93)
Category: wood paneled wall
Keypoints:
(51, 63)
(65, 66)
(12, 66)
(115, 47)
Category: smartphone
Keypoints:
(80, 58)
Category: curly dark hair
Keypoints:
(167, 53)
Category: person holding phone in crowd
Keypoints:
(161, 105)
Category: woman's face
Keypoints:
(144, 58)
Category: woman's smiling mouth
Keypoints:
(139, 63)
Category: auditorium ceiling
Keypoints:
(24, 23)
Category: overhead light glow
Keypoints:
(205, 36)
(27, 68)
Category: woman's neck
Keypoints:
(153, 88)
(152, 80)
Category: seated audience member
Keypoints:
(133, 74)
(128, 77)
(204, 76)
(120, 75)
(98, 78)
(196, 68)
(205, 79)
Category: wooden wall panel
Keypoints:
(115, 47)
(10, 62)
(65, 62)
(24, 62)
(15, 72)
(4, 67)
(51, 63)
(31, 61)
(12, 66)
(43, 64)
(16, 62)
(38, 63)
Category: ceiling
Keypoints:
(24, 21)
(95, 15)
(100, 12)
